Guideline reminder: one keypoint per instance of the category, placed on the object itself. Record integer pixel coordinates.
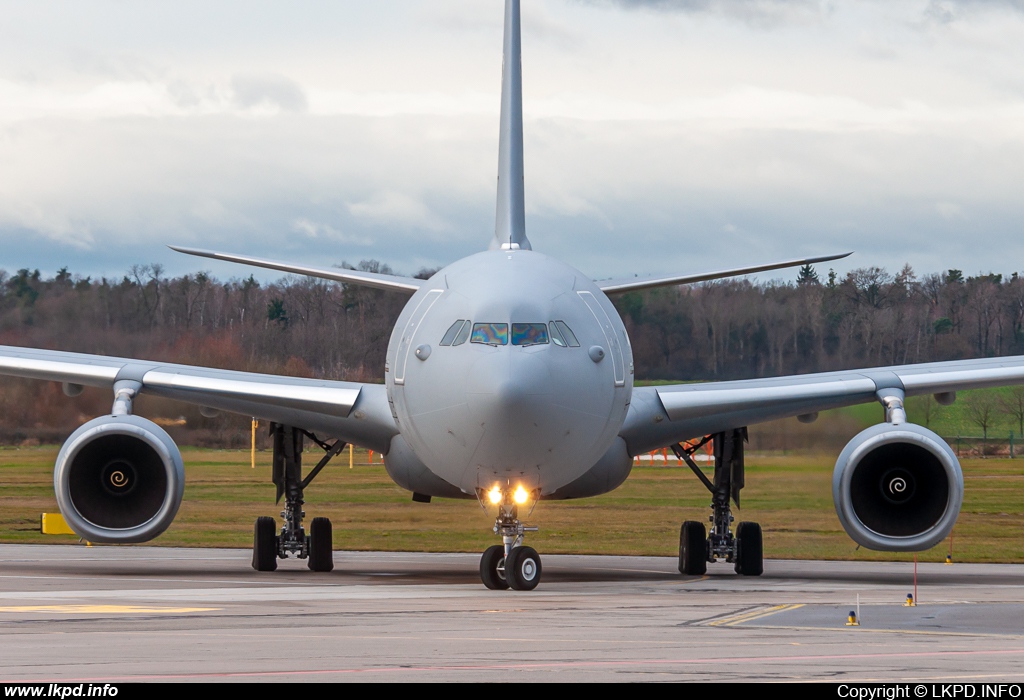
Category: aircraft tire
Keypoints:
(750, 554)
(264, 545)
(693, 549)
(523, 569)
(492, 568)
(321, 545)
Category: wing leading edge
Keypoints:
(356, 413)
(664, 415)
(407, 285)
(634, 284)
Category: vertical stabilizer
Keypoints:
(510, 225)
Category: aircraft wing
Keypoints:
(663, 415)
(395, 283)
(634, 284)
(354, 412)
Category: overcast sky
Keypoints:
(661, 136)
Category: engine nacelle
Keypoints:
(119, 479)
(897, 488)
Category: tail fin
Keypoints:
(510, 224)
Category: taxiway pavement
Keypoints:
(75, 613)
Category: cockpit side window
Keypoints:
(490, 334)
(529, 334)
(567, 334)
(463, 335)
(556, 335)
(452, 332)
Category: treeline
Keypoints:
(297, 326)
(307, 327)
(740, 329)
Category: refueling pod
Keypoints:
(897, 488)
(119, 479)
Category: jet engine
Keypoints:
(897, 488)
(119, 479)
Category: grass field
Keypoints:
(789, 495)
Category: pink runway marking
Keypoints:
(528, 666)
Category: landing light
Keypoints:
(521, 495)
(495, 495)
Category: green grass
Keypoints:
(789, 495)
(948, 421)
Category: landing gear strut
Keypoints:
(744, 549)
(510, 564)
(268, 546)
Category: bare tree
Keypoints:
(1012, 401)
(923, 407)
(981, 410)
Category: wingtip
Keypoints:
(829, 258)
(191, 251)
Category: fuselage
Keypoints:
(509, 366)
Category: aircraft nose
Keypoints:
(508, 397)
(505, 386)
(511, 397)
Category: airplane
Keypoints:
(508, 380)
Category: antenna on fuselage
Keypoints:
(510, 223)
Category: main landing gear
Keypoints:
(744, 549)
(268, 546)
(510, 564)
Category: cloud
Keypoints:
(950, 211)
(397, 209)
(948, 11)
(772, 13)
(29, 218)
(326, 232)
(262, 92)
(361, 125)
(761, 13)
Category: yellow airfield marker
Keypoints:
(853, 619)
(351, 454)
(255, 424)
(101, 609)
(54, 524)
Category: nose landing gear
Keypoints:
(510, 564)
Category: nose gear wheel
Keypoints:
(522, 569)
(509, 565)
(492, 568)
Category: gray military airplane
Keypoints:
(509, 379)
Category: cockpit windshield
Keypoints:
(490, 334)
(529, 334)
(523, 334)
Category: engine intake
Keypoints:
(119, 479)
(897, 488)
